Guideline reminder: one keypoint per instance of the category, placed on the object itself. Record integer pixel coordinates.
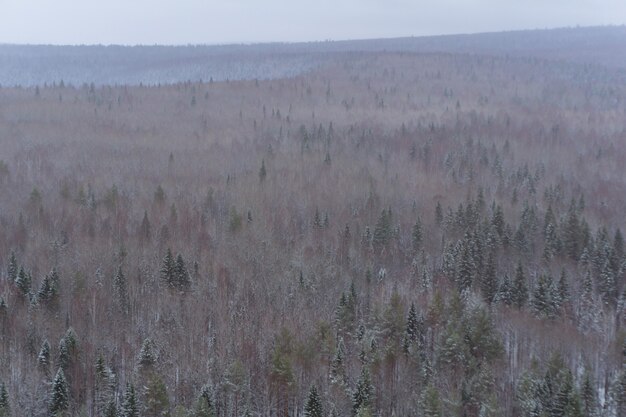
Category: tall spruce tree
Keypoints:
(412, 329)
(520, 288)
(382, 231)
(23, 282)
(43, 359)
(204, 404)
(181, 275)
(543, 302)
(489, 281)
(156, 401)
(168, 269)
(313, 407)
(588, 395)
(363, 393)
(416, 235)
(571, 233)
(466, 268)
(60, 396)
(430, 402)
(120, 290)
(130, 406)
(5, 407)
(505, 291)
(12, 268)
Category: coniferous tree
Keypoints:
(549, 219)
(64, 354)
(588, 309)
(168, 269)
(563, 295)
(105, 388)
(145, 231)
(156, 402)
(23, 282)
(317, 219)
(412, 329)
(44, 290)
(147, 354)
(363, 393)
(618, 245)
(607, 285)
(60, 396)
(430, 402)
(382, 231)
(543, 301)
(497, 220)
(121, 293)
(262, 171)
(551, 246)
(416, 235)
(12, 268)
(159, 196)
(466, 267)
(5, 407)
(181, 275)
(520, 289)
(505, 291)
(313, 407)
(588, 396)
(130, 406)
(204, 405)
(43, 359)
(438, 214)
(571, 238)
(337, 366)
(489, 281)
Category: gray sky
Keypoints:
(228, 21)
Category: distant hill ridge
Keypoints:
(29, 65)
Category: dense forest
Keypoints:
(384, 234)
(33, 65)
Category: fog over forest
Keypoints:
(416, 226)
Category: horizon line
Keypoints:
(317, 41)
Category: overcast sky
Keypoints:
(235, 21)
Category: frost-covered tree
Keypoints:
(337, 366)
(181, 275)
(543, 301)
(416, 235)
(489, 281)
(588, 311)
(23, 282)
(130, 406)
(313, 407)
(383, 230)
(120, 290)
(589, 396)
(155, 399)
(520, 289)
(412, 330)
(12, 268)
(505, 291)
(5, 407)
(60, 396)
(363, 393)
(147, 354)
(43, 359)
(168, 269)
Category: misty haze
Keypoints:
(329, 209)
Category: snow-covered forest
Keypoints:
(347, 233)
